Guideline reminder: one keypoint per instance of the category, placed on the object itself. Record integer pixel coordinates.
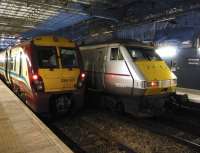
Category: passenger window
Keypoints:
(20, 64)
(115, 54)
(15, 63)
(11, 63)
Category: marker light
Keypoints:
(82, 76)
(38, 83)
(81, 79)
(35, 77)
(153, 84)
(167, 51)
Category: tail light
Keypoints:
(35, 77)
(38, 83)
(82, 76)
(81, 80)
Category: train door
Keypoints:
(100, 68)
(117, 76)
(6, 66)
(9, 67)
(20, 65)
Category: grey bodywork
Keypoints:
(113, 76)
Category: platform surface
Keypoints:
(193, 95)
(21, 131)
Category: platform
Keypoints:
(193, 95)
(21, 131)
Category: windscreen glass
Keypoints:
(68, 57)
(141, 53)
(47, 57)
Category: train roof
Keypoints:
(47, 40)
(117, 42)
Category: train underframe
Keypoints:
(140, 106)
(50, 103)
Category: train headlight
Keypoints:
(153, 84)
(150, 84)
(81, 80)
(167, 51)
(37, 82)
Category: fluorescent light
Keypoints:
(95, 34)
(29, 26)
(107, 32)
(167, 51)
(198, 49)
(3, 23)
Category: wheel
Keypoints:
(61, 105)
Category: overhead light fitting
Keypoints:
(29, 26)
(3, 23)
(167, 51)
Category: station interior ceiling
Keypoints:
(79, 19)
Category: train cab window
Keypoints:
(115, 54)
(68, 57)
(141, 53)
(47, 57)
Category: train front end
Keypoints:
(155, 83)
(57, 77)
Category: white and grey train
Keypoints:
(131, 76)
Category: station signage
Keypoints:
(193, 61)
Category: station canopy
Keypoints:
(79, 18)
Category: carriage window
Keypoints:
(68, 57)
(115, 54)
(47, 57)
(11, 63)
(2, 61)
(20, 64)
(15, 60)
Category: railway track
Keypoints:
(181, 136)
(188, 122)
(191, 140)
(82, 135)
(87, 138)
(67, 140)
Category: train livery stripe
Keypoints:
(117, 74)
(16, 76)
